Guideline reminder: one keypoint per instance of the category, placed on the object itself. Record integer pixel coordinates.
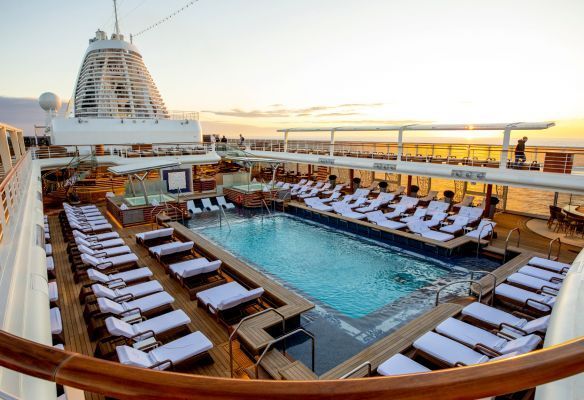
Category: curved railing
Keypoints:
(124, 382)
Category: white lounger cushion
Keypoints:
(391, 224)
(496, 317)
(471, 336)
(192, 208)
(126, 276)
(436, 206)
(109, 252)
(176, 351)
(353, 214)
(208, 205)
(541, 273)
(525, 296)
(555, 266)
(228, 295)
(448, 350)
(49, 249)
(92, 228)
(160, 324)
(399, 365)
(53, 292)
(171, 248)
(484, 229)
(139, 290)
(223, 203)
(102, 263)
(98, 237)
(50, 263)
(421, 229)
(56, 321)
(197, 266)
(99, 245)
(532, 282)
(144, 304)
(157, 234)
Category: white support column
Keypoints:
(21, 142)
(332, 145)
(15, 144)
(505, 147)
(5, 151)
(286, 141)
(400, 143)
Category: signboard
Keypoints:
(328, 161)
(384, 166)
(177, 180)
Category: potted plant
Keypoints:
(356, 183)
(493, 208)
(414, 189)
(448, 196)
(332, 180)
(383, 186)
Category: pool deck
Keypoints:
(253, 333)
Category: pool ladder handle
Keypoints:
(550, 248)
(507, 242)
(472, 278)
(234, 333)
(222, 212)
(481, 235)
(283, 338)
(358, 368)
(469, 281)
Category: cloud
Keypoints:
(278, 111)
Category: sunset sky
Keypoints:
(253, 66)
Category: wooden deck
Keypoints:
(253, 333)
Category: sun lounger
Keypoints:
(437, 207)
(375, 216)
(397, 211)
(542, 274)
(56, 325)
(223, 203)
(169, 249)
(373, 205)
(88, 228)
(102, 263)
(306, 195)
(352, 214)
(399, 364)
(104, 253)
(96, 238)
(458, 224)
(49, 249)
(124, 277)
(208, 206)
(336, 189)
(484, 229)
(484, 341)
(504, 321)
(53, 292)
(95, 245)
(392, 224)
(447, 351)
(324, 187)
(127, 292)
(525, 299)
(158, 235)
(472, 213)
(170, 355)
(146, 306)
(551, 265)
(429, 197)
(192, 208)
(421, 229)
(150, 327)
(436, 219)
(466, 201)
(533, 283)
(418, 215)
(50, 267)
(194, 267)
(228, 296)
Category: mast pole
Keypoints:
(116, 15)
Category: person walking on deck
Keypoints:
(520, 150)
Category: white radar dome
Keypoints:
(50, 101)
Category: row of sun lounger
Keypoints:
(55, 319)
(208, 206)
(483, 333)
(200, 276)
(130, 315)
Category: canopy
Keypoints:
(142, 166)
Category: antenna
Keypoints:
(116, 14)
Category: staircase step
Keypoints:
(297, 371)
(273, 361)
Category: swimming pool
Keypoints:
(139, 200)
(252, 187)
(362, 288)
(355, 277)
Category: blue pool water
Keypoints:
(355, 277)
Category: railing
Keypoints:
(481, 235)
(123, 150)
(549, 255)
(470, 283)
(358, 368)
(11, 188)
(536, 158)
(488, 273)
(125, 382)
(183, 115)
(507, 242)
(283, 338)
(234, 333)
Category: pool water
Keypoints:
(139, 200)
(355, 277)
(252, 187)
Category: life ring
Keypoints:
(239, 199)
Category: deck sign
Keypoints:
(327, 161)
(384, 166)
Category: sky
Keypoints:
(253, 66)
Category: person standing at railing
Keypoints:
(520, 150)
(241, 139)
(223, 139)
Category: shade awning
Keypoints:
(142, 166)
